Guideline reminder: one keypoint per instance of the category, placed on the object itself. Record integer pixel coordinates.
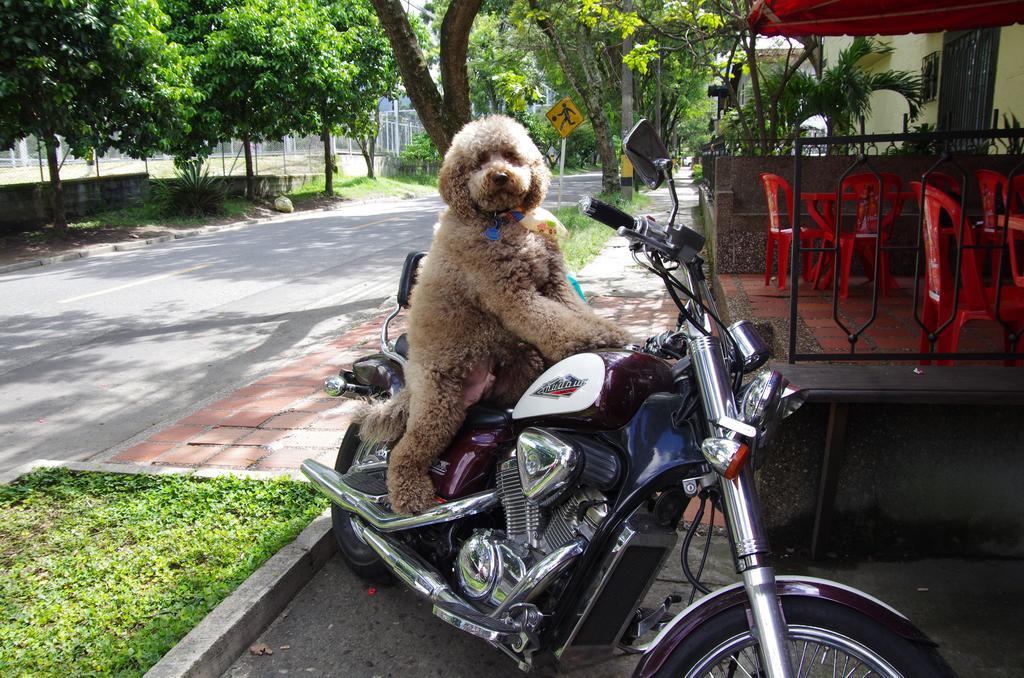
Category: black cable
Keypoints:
(684, 560)
(707, 549)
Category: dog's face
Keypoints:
(492, 166)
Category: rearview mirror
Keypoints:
(647, 152)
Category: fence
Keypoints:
(293, 155)
(967, 225)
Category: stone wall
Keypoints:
(23, 205)
(915, 479)
(738, 222)
(269, 185)
(29, 204)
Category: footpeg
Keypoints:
(465, 618)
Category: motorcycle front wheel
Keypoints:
(825, 639)
(361, 559)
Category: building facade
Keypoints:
(971, 78)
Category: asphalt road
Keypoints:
(97, 353)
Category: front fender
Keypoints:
(684, 623)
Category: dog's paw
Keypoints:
(412, 495)
(605, 335)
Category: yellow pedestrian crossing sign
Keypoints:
(565, 116)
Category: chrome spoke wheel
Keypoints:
(813, 652)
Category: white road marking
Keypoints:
(134, 284)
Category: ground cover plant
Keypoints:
(101, 574)
(364, 188)
(586, 236)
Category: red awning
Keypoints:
(794, 18)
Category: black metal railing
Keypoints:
(948, 169)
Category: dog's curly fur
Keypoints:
(501, 307)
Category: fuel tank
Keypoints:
(600, 390)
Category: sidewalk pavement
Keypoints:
(283, 418)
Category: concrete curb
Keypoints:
(129, 245)
(214, 644)
(128, 468)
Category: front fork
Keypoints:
(739, 495)
(743, 519)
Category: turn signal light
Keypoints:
(725, 456)
(737, 462)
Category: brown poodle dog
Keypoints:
(490, 306)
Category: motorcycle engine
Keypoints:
(492, 562)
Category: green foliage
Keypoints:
(586, 236)
(101, 574)
(100, 75)
(503, 77)
(698, 173)
(842, 95)
(361, 188)
(420, 149)
(192, 192)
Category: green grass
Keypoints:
(149, 214)
(586, 236)
(361, 188)
(101, 574)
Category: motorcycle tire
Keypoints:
(359, 556)
(821, 633)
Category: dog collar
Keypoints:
(539, 221)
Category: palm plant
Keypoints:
(192, 192)
(843, 94)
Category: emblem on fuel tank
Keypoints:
(560, 387)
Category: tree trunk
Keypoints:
(250, 181)
(325, 137)
(441, 117)
(589, 92)
(367, 146)
(60, 222)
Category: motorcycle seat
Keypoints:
(402, 345)
(487, 417)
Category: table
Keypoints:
(821, 208)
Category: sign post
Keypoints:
(565, 117)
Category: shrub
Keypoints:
(698, 174)
(420, 149)
(192, 192)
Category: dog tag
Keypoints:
(492, 233)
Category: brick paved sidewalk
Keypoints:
(284, 418)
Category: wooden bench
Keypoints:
(843, 385)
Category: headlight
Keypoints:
(763, 405)
(547, 464)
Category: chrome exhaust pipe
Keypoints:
(407, 565)
(381, 519)
(421, 577)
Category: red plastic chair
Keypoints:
(872, 225)
(972, 301)
(783, 237)
(994, 202)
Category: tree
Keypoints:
(842, 95)
(719, 41)
(503, 77)
(355, 109)
(249, 73)
(586, 39)
(442, 115)
(96, 74)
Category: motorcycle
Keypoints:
(556, 516)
